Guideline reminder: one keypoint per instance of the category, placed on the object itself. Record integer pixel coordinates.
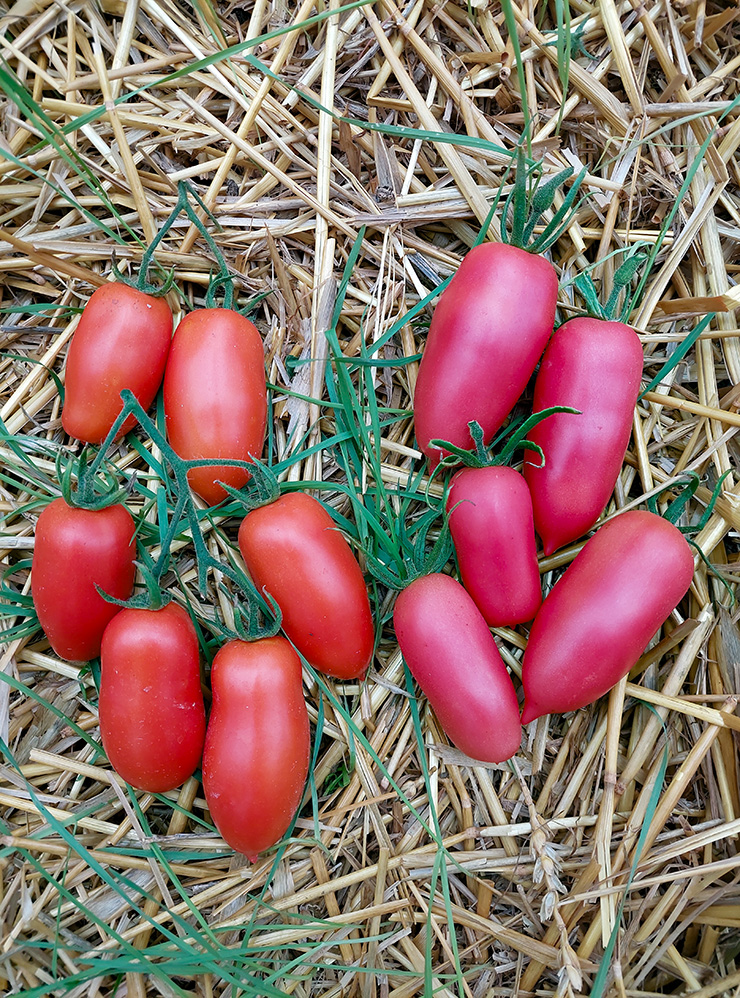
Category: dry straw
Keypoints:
(605, 860)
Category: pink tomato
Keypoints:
(593, 366)
(597, 620)
(453, 657)
(493, 533)
(487, 333)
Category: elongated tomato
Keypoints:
(215, 398)
(293, 549)
(75, 550)
(453, 657)
(593, 366)
(152, 718)
(487, 333)
(597, 620)
(121, 341)
(256, 754)
(493, 533)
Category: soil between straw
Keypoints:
(411, 871)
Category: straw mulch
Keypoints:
(429, 875)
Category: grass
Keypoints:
(603, 860)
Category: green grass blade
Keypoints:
(597, 990)
(679, 353)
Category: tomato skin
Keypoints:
(74, 550)
(121, 341)
(487, 333)
(594, 366)
(597, 620)
(493, 533)
(454, 659)
(215, 396)
(152, 717)
(294, 550)
(257, 747)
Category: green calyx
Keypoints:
(251, 622)
(80, 482)
(152, 598)
(513, 439)
(262, 488)
(530, 197)
(622, 279)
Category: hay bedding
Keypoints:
(536, 862)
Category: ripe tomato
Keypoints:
(121, 341)
(293, 549)
(215, 398)
(74, 550)
(453, 657)
(487, 333)
(257, 747)
(493, 533)
(594, 366)
(152, 718)
(600, 615)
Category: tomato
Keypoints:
(600, 615)
(454, 659)
(121, 341)
(215, 398)
(74, 550)
(487, 333)
(594, 366)
(293, 549)
(493, 533)
(152, 718)
(257, 747)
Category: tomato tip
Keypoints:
(530, 712)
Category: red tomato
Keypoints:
(487, 333)
(594, 366)
(152, 718)
(493, 533)
(74, 550)
(257, 747)
(454, 659)
(121, 341)
(600, 615)
(215, 399)
(294, 550)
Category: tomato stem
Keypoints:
(185, 508)
(223, 278)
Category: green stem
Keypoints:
(185, 507)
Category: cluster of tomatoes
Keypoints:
(485, 340)
(489, 330)
(255, 746)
